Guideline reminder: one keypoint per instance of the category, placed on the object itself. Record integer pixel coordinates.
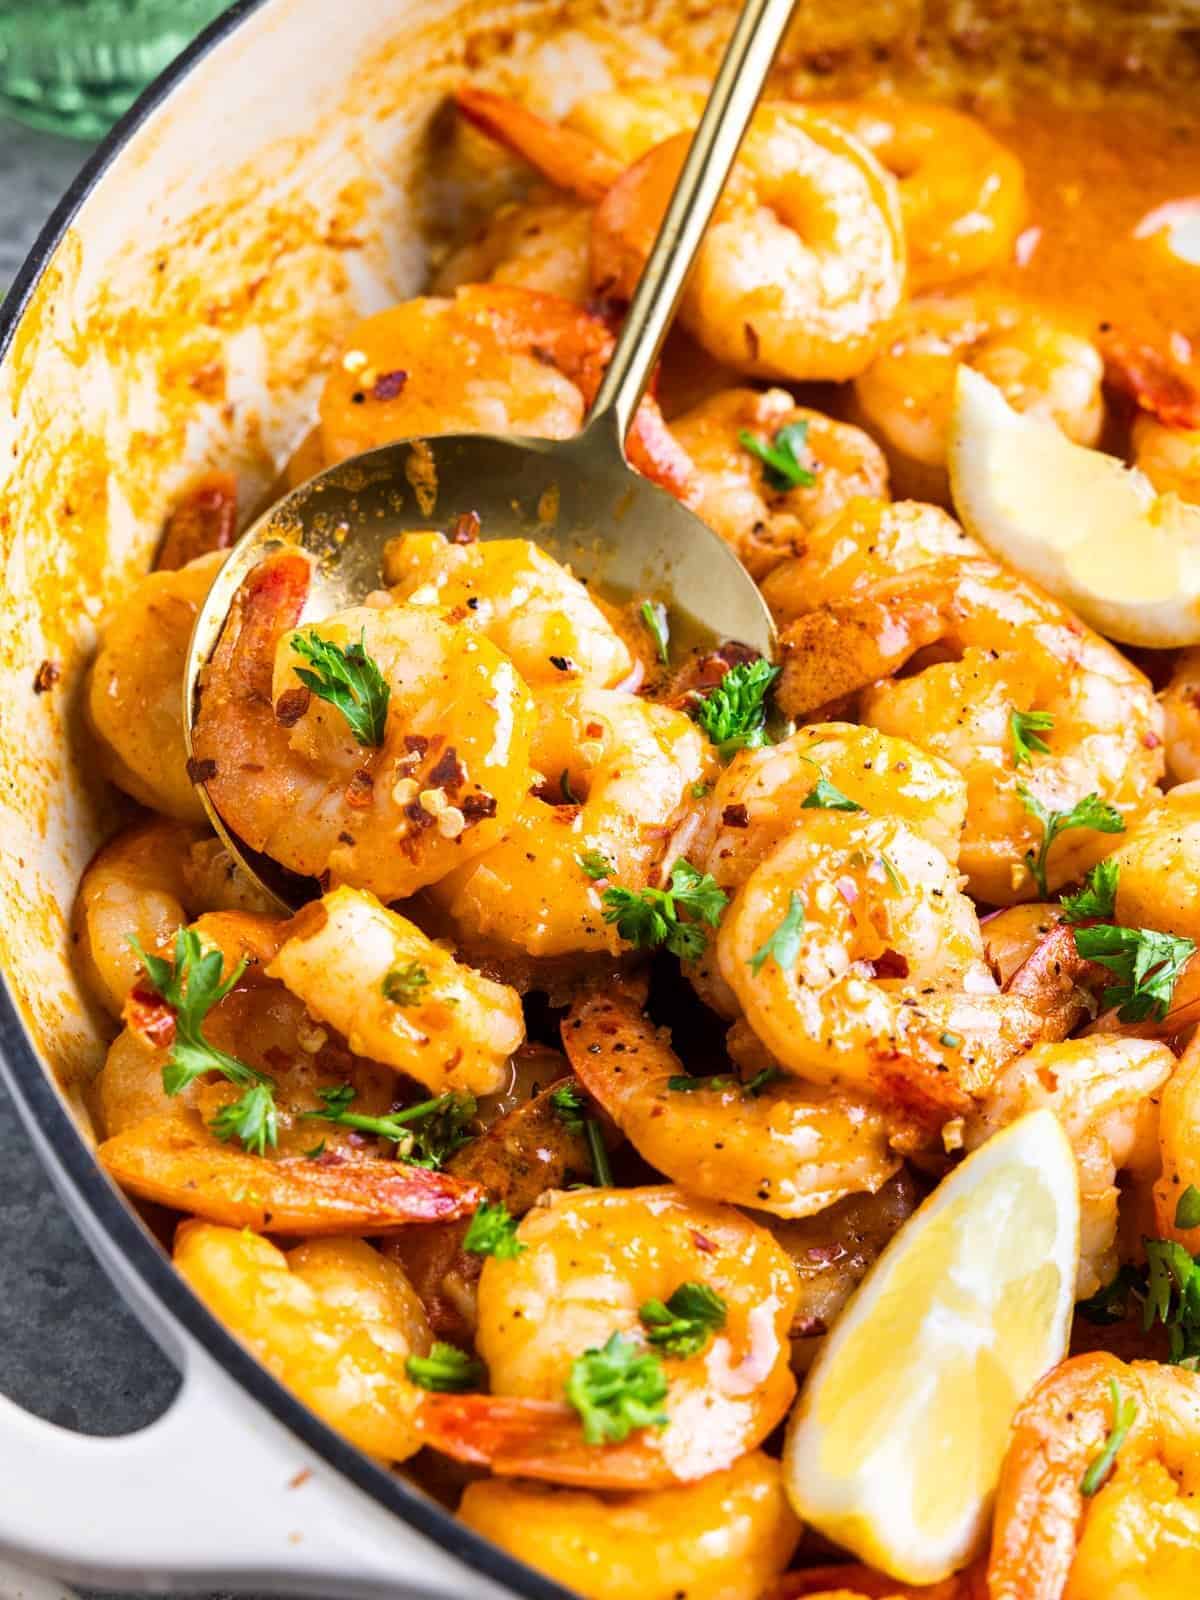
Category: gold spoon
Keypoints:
(577, 498)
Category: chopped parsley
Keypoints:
(1167, 1290)
(685, 1323)
(685, 1084)
(1090, 812)
(349, 679)
(1098, 897)
(493, 1233)
(191, 985)
(654, 615)
(784, 943)
(1124, 1410)
(1187, 1208)
(827, 797)
(734, 712)
(782, 467)
(616, 1390)
(569, 1106)
(403, 985)
(1146, 963)
(594, 863)
(699, 790)
(893, 877)
(445, 1370)
(425, 1135)
(1027, 728)
(649, 918)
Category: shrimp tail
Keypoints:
(568, 159)
(526, 1438)
(1146, 377)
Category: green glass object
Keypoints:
(73, 66)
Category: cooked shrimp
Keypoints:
(832, 1252)
(862, 1583)
(1181, 719)
(332, 1319)
(634, 118)
(803, 263)
(1031, 353)
(286, 774)
(141, 886)
(962, 194)
(1105, 1092)
(1138, 1536)
(540, 244)
(494, 359)
(996, 646)
(1179, 1147)
(732, 493)
(724, 1538)
(880, 982)
(591, 1260)
(320, 1177)
(398, 997)
(570, 160)
(624, 768)
(204, 520)
(786, 1148)
(1011, 936)
(525, 602)
(1159, 866)
(525, 1153)
(1169, 456)
(135, 688)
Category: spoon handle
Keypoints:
(735, 93)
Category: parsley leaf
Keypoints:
(568, 1103)
(601, 1170)
(684, 1083)
(1090, 812)
(1187, 1208)
(827, 797)
(403, 985)
(594, 863)
(1147, 964)
(648, 918)
(1027, 728)
(1098, 897)
(686, 1322)
(784, 943)
(445, 1370)
(191, 985)
(493, 1233)
(1124, 1410)
(349, 679)
(425, 1135)
(654, 615)
(782, 467)
(617, 1390)
(734, 713)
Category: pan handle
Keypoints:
(215, 1494)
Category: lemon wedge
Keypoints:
(895, 1444)
(1091, 530)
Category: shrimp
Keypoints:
(1180, 702)
(570, 160)
(321, 1177)
(993, 645)
(803, 263)
(141, 886)
(203, 521)
(785, 1148)
(732, 492)
(962, 194)
(1032, 353)
(1138, 1536)
(624, 768)
(857, 961)
(541, 244)
(528, 1151)
(634, 118)
(1179, 1147)
(285, 773)
(1105, 1091)
(1159, 866)
(1169, 456)
(591, 1260)
(724, 1538)
(833, 1250)
(494, 359)
(332, 1319)
(398, 997)
(526, 603)
(134, 694)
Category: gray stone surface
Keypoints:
(69, 1351)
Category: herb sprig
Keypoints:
(1026, 728)
(1124, 1411)
(348, 679)
(1098, 897)
(425, 1135)
(1090, 812)
(686, 1321)
(445, 1370)
(734, 712)
(616, 1390)
(784, 943)
(654, 615)
(676, 917)
(492, 1232)
(782, 467)
(1146, 963)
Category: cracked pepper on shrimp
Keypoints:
(653, 1003)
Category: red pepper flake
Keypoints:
(201, 771)
(449, 773)
(475, 807)
(465, 529)
(416, 743)
(291, 706)
(360, 790)
(735, 817)
(298, 1479)
(46, 676)
(417, 815)
(1150, 741)
(388, 385)
(891, 964)
(148, 1015)
(703, 1242)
